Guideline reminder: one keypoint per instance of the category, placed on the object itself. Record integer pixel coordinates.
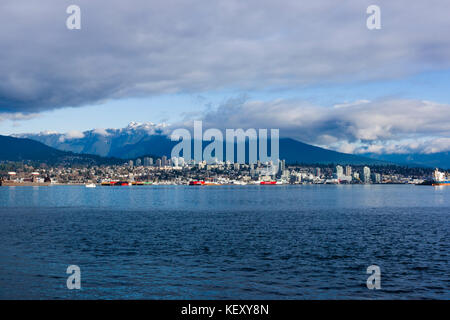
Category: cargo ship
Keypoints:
(115, 183)
(124, 183)
(205, 183)
(270, 182)
(197, 183)
(440, 179)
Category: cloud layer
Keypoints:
(386, 126)
(152, 47)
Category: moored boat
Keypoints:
(268, 182)
(440, 179)
(197, 183)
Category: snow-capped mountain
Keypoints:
(103, 142)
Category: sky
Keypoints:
(310, 68)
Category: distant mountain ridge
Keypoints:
(23, 149)
(438, 160)
(102, 142)
(139, 139)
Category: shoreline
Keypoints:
(206, 185)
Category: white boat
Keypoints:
(90, 185)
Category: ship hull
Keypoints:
(265, 183)
(441, 183)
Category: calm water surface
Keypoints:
(242, 242)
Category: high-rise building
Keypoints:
(148, 161)
(164, 161)
(317, 172)
(376, 178)
(138, 162)
(366, 174)
(348, 171)
(339, 172)
(130, 163)
(158, 163)
(282, 165)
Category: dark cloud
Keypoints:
(146, 47)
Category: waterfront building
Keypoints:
(376, 177)
(366, 174)
(282, 167)
(339, 172)
(317, 172)
(348, 171)
(148, 161)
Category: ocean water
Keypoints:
(230, 242)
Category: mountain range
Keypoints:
(435, 160)
(23, 149)
(139, 139)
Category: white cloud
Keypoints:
(17, 116)
(424, 145)
(101, 132)
(48, 132)
(71, 135)
(351, 104)
(388, 126)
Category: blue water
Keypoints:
(242, 242)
